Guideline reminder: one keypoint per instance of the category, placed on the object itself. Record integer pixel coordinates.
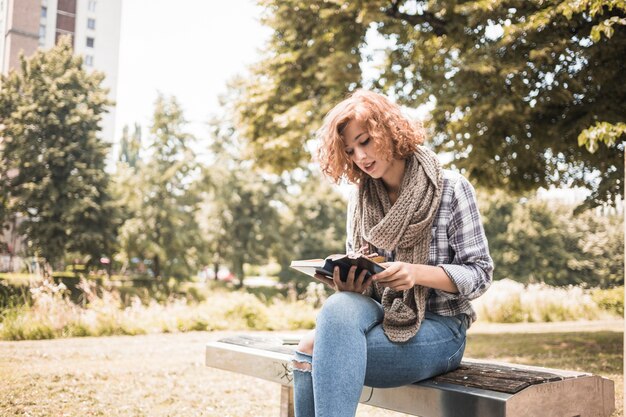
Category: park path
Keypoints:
(154, 375)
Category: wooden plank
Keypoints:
(496, 377)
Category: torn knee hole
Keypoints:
(301, 366)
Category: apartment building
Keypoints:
(93, 25)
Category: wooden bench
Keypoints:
(476, 388)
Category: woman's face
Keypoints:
(360, 148)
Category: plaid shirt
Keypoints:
(459, 246)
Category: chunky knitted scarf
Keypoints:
(404, 227)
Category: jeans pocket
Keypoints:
(455, 360)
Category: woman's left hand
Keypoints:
(398, 276)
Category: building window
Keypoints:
(90, 42)
(42, 35)
(91, 6)
(91, 23)
(44, 11)
(89, 60)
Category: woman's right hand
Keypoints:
(352, 283)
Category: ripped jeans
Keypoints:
(351, 350)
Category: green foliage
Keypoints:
(156, 192)
(515, 84)
(51, 159)
(312, 225)
(611, 299)
(14, 293)
(601, 132)
(253, 314)
(312, 60)
(531, 240)
(239, 211)
(13, 326)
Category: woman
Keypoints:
(408, 322)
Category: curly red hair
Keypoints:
(394, 136)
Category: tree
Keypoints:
(127, 180)
(161, 225)
(51, 159)
(534, 240)
(240, 219)
(522, 90)
(313, 224)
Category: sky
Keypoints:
(185, 48)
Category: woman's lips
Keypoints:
(369, 167)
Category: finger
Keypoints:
(351, 275)
(350, 282)
(387, 274)
(361, 278)
(337, 279)
(366, 285)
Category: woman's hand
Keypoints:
(352, 284)
(398, 276)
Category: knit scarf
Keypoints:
(404, 227)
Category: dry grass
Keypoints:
(164, 374)
(51, 314)
(150, 375)
(508, 301)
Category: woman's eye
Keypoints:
(349, 151)
(365, 142)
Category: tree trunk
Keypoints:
(109, 268)
(156, 267)
(238, 271)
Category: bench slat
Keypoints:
(496, 377)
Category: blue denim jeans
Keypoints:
(351, 350)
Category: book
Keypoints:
(344, 262)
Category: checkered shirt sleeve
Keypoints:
(459, 246)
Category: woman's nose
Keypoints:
(359, 154)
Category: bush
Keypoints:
(14, 294)
(610, 299)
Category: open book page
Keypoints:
(307, 266)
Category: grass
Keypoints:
(597, 352)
